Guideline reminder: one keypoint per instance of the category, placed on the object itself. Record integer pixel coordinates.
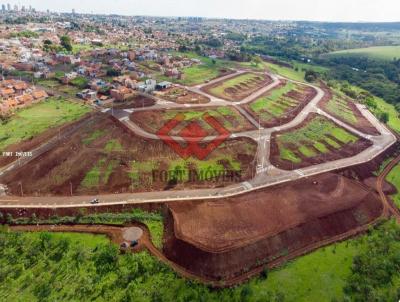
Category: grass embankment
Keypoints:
(63, 266)
(29, 122)
(387, 53)
(297, 73)
(313, 139)
(394, 178)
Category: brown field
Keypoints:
(182, 96)
(230, 237)
(239, 87)
(344, 109)
(280, 105)
(229, 117)
(104, 157)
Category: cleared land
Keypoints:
(30, 122)
(104, 157)
(238, 87)
(281, 105)
(378, 52)
(182, 96)
(229, 117)
(344, 109)
(221, 239)
(314, 141)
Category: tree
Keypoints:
(66, 43)
(256, 61)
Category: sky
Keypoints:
(313, 10)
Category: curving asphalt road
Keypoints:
(267, 174)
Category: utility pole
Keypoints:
(70, 186)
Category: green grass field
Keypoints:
(82, 267)
(394, 178)
(38, 118)
(378, 52)
(206, 71)
(312, 139)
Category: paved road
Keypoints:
(267, 175)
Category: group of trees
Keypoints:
(382, 78)
(47, 267)
(65, 44)
(375, 273)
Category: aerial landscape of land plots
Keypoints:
(238, 87)
(104, 157)
(281, 104)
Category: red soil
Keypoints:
(226, 238)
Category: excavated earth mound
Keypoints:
(226, 238)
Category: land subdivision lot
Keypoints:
(238, 87)
(344, 109)
(314, 141)
(30, 122)
(281, 105)
(104, 157)
(138, 101)
(182, 96)
(228, 117)
(225, 238)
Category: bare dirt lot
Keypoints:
(104, 157)
(182, 96)
(228, 117)
(225, 238)
(316, 140)
(239, 87)
(137, 101)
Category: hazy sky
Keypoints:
(319, 10)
